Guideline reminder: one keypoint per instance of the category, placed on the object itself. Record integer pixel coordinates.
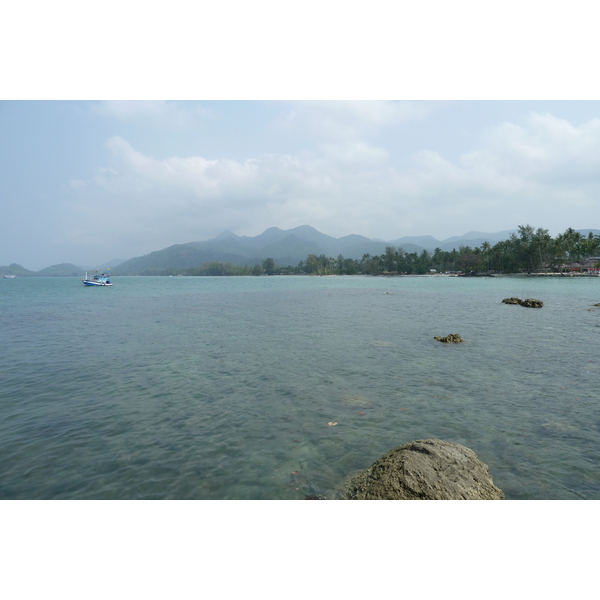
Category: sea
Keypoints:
(283, 387)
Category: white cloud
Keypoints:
(184, 199)
(355, 153)
(348, 120)
(537, 172)
(544, 144)
(159, 112)
(127, 109)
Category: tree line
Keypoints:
(528, 250)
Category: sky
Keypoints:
(152, 129)
(86, 182)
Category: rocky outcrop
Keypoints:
(529, 302)
(451, 338)
(425, 470)
(532, 303)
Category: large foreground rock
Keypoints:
(425, 470)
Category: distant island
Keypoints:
(304, 250)
(62, 270)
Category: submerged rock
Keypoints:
(425, 470)
(451, 338)
(512, 300)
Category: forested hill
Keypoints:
(528, 250)
(62, 270)
(286, 247)
(503, 250)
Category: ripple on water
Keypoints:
(224, 388)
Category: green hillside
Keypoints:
(287, 248)
(62, 270)
(15, 269)
(179, 256)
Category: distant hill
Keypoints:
(473, 239)
(500, 236)
(286, 247)
(286, 251)
(179, 256)
(62, 270)
(15, 269)
(421, 241)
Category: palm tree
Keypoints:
(590, 246)
(570, 241)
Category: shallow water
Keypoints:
(223, 388)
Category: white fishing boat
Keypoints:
(9, 276)
(97, 279)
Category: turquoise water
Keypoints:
(223, 388)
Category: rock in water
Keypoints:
(532, 303)
(451, 338)
(425, 470)
(528, 302)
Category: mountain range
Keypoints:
(284, 246)
(288, 247)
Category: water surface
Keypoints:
(223, 388)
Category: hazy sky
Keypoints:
(86, 182)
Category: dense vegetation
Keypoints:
(527, 251)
